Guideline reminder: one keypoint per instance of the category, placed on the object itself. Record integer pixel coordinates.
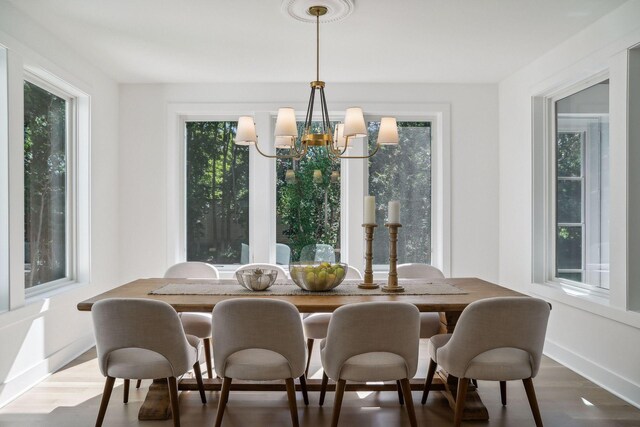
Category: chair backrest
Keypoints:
(244, 253)
(418, 271)
(140, 323)
(359, 328)
(192, 270)
(503, 322)
(246, 323)
(353, 273)
(282, 274)
(283, 254)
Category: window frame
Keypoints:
(262, 178)
(384, 268)
(71, 193)
(4, 180)
(547, 272)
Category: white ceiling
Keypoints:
(254, 41)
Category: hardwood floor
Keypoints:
(71, 397)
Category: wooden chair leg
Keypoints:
(408, 398)
(475, 383)
(173, 396)
(291, 396)
(463, 384)
(309, 350)
(337, 403)
(106, 394)
(399, 390)
(222, 403)
(533, 402)
(198, 373)
(125, 397)
(207, 356)
(427, 382)
(323, 387)
(503, 393)
(138, 383)
(303, 387)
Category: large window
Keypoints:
(582, 186)
(217, 193)
(403, 173)
(308, 205)
(47, 214)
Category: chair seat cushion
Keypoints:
(429, 324)
(316, 325)
(500, 364)
(257, 364)
(374, 366)
(435, 343)
(198, 324)
(141, 363)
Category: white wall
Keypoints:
(143, 163)
(599, 341)
(47, 331)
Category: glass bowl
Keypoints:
(317, 276)
(256, 279)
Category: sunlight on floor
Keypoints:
(586, 402)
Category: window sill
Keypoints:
(586, 301)
(51, 291)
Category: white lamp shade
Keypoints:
(354, 125)
(284, 142)
(388, 132)
(246, 132)
(338, 136)
(286, 123)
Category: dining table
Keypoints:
(449, 306)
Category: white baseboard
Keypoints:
(610, 381)
(21, 383)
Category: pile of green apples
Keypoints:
(321, 277)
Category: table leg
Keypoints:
(156, 405)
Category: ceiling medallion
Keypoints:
(337, 10)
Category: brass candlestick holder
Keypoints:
(368, 256)
(392, 282)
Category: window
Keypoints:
(217, 194)
(4, 184)
(581, 176)
(307, 204)
(403, 173)
(48, 218)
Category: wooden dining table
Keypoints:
(156, 405)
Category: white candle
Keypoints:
(369, 209)
(394, 212)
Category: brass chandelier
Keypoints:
(336, 141)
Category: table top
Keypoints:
(476, 289)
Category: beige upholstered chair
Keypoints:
(197, 324)
(495, 339)
(139, 338)
(261, 340)
(429, 322)
(282, 274)
(355, 350)
(316, 324)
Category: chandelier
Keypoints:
(336, 141)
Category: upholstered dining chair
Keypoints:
(140, 338)
(429, 322)
(495, 339)
(282, 274)
(354, 350)
(197, 324)
(316, 324)
(261, 340)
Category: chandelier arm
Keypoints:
(361, 157)
(294, 157)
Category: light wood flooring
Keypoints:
(71, 398)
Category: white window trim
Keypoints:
(262, 179)
(4, 181)
(543, 194)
